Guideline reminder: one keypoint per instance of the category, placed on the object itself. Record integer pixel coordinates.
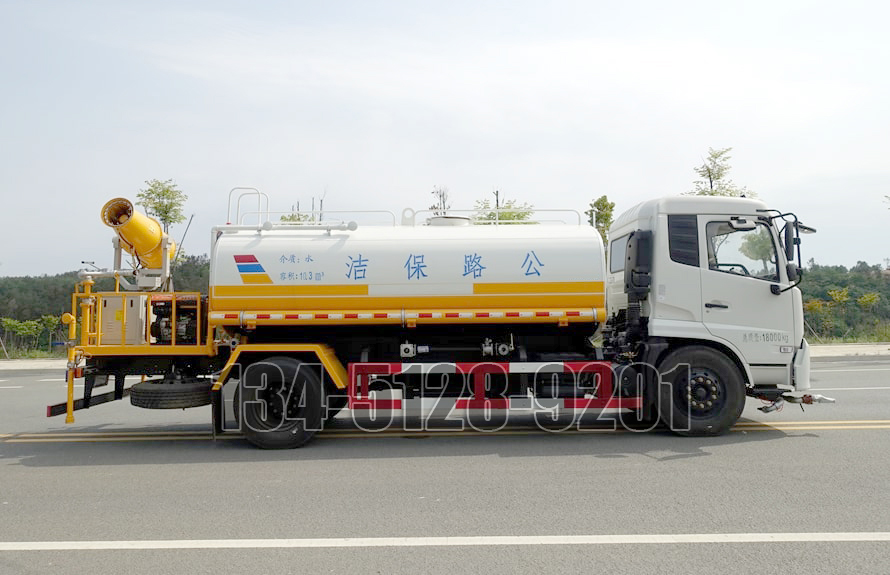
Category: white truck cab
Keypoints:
(716, 273)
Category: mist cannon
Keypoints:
(140, 235)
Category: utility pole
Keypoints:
(497, 206)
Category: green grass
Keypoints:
(850, 339)
(56, 353)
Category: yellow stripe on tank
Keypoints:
(288, 290)
(481, 302)
(539, 288)
(256, 279)
(592, 288)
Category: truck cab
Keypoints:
(718, 274)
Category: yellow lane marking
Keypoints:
(809, 428)
(86, 437)
(106, 433)
(827, 422)
(745, 424)
(119, 439)
(457, 432)
(539, 431)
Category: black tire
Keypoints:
(158, 394)
(336, 404)
(716, 387)
(637, 421)
(280, 402)
(236, 405)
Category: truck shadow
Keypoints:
(345, 441)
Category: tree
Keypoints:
(192, 273)
(600, 215)
(441, 205)
(295, 217)
(48, 324)
(840, 296)
(869, 300)
(509, 210)
(758, 246)
(713, 176)
(163, 200)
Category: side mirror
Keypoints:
(793, 271)
(638, 265)
(789, 242)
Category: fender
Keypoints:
(324, 353)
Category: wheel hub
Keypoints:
(703, 392)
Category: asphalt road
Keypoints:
(787, 492)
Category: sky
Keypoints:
(373, 104)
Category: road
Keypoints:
(129, 490)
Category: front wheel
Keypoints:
(701, 392)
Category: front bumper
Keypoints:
(800, 369)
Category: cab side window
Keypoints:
(617, 254)
(750, 253)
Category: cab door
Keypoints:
(741, 284)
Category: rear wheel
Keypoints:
(702, 391)
(335, 404)
(280, 403)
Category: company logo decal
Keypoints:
(251, 270)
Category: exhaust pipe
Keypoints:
(140, 235)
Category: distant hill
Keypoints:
(30, 297)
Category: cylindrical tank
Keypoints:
(140, 235)
(422, 271)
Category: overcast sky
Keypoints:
(374, 104)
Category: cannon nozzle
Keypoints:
(141, 236)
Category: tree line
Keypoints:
(847, 304)
(31, 306)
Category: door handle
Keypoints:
(717, 305)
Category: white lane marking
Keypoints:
(55, 380)
(10, 386)
(2, 380)
(845, 388)
(478, 541)
(846, 370)
(75, 385)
